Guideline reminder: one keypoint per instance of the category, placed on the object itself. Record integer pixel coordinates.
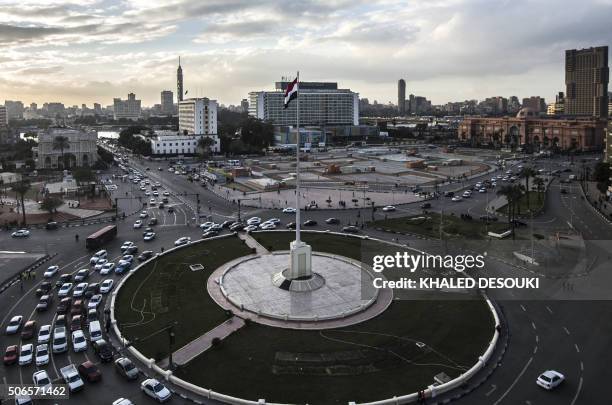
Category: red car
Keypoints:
(76, 323)
(77, 308)
(11, 355)
(90, 372)
(29, 330)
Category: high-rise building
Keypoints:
(167, 102)
(244, 105)
(198, 116)
(3, 116)
(97, 109)
(14, 109)
(321, 103)
(536, 103)
(586, 81)
(179, 82)
(33, 107)
(129, 108)
(401, 96)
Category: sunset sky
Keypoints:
(85, 51)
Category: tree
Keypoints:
(204, 144)
(513, 195)
(50, 204)
(61, 143)
(601, 175)
(527, 173)
(83, 175)
(539, 183)
(21, 188)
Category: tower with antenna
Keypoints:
(179, 82)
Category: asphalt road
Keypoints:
(569, 336)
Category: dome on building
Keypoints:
(526, 112)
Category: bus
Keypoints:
(100, 237)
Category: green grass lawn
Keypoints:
(536, 203)
(452, 226)
(167, 290)
(376, 359)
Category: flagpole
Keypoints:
(297, 165)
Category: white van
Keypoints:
(99, 255)
(95, 331)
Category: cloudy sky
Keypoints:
(85, 51)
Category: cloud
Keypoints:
(445, 49)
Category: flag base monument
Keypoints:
(299, 277)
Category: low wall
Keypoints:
(431, 391)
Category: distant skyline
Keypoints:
(86, 51)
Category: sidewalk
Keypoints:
(198, 346)
(597, 200)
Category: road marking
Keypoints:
(537, 338)
(566, 331)
(549, 310)
(514, 382)
(577, 392)
(577, 348)
(493, 388)
(535, 350)
(533, 325)
(523, 308)
(581, 366)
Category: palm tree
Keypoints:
(21, 189)
(512, 194)
(526, 173)
(60, 143)
(539, 183)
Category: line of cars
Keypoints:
(57, 337)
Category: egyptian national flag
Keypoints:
(291, 92)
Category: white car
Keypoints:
(79, 290)
(550, 379)
(106, 286)
(156, 194)
(266, 226)
(64, 290)
(51, 271)
(94, 301)
(289, 210)
(143, 214)
(122, 401)
(60, 344)
(26, 354)
(152, 201)
(182, 241)
(274, 221)
(254, 221)
(482, 190)
(42, 355)
(102, 254)
(22, 233)
(155, 390)
(14, 325)
(166, 194)
(206, 225)
(250, 228)
(41, 378)
(138, 224)
(143, 188)
(100, 264)
(147, 193)
(44, 334)
(107, 268)
(149, 236)
(388, 208)
(79, 343)
(456, 198)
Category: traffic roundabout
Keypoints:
(233, 331)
